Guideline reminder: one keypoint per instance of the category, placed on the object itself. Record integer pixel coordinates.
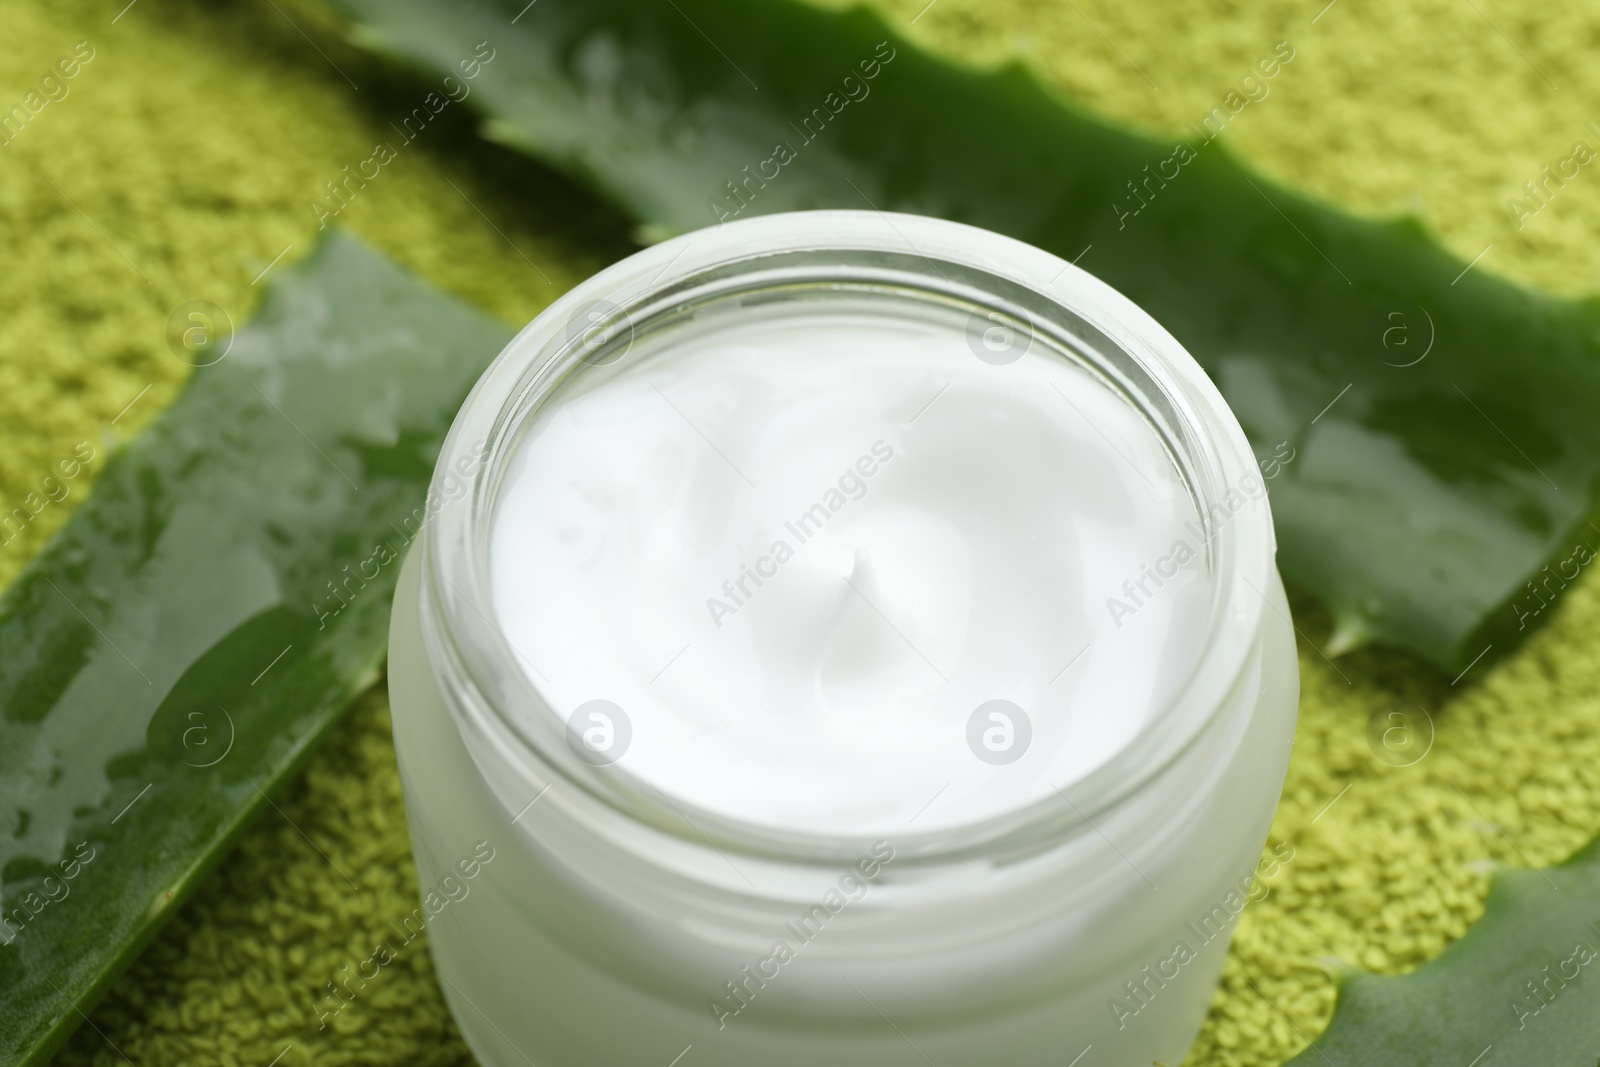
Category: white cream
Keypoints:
(987, 530)
(984, 530)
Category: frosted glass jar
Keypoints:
(588, 909)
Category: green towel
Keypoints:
(181, 162)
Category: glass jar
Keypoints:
(579, 916)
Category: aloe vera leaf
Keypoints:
(1521, 986)
(1418, 505)
(179, 646)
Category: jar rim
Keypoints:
(482, 675)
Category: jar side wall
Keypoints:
(564, 1006)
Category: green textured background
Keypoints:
(181, 164)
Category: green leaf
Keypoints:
(1521, 987)
(181, 644)
(1420, 498)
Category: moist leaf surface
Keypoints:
(178, 647)
(1522, 986)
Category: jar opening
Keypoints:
(819, 528)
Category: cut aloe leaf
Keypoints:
(1520, 986)
(1430, 427)
(179, 646)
